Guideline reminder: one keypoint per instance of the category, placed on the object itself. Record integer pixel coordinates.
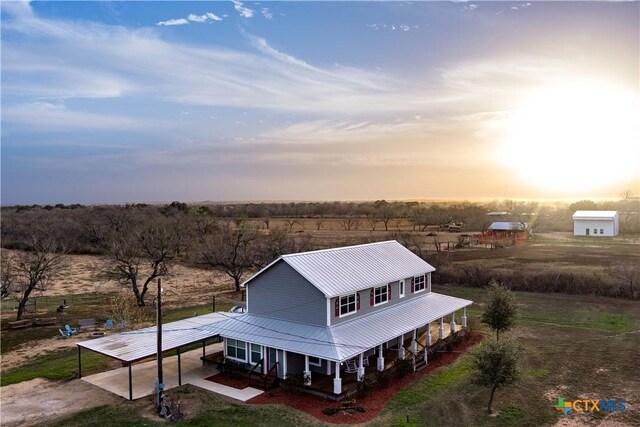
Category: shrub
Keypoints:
(293, 383)
(403, 367)
(363, 388)
(331, 411)
(383, 379)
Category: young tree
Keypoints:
(232, 251)
(501, 311)
(33, 269)
(496, 366)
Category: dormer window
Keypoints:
(419, 284)
(347, 305)
(380, 295)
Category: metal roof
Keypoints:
(339, 271)
(508, 226)
(140, 344)
(594, 214)
(345, 340)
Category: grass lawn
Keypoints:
(574, 347)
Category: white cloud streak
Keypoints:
(244, 12)
(199, 19)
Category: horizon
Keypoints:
(122, 102)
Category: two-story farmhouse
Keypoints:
(327, 312)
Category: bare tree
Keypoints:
(318, 224)
(136, 258)
(351, 223)
(232, 251)
(33, 269)
(629, 274)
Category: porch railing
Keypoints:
(251, 372)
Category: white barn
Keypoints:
(596, 223)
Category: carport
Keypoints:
(133, 346)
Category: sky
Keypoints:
(117, 102)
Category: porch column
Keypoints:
(414, 343)
(441, 329)
(453, 322)
(428, 334)
(307, 372)
(337, 381)
(284, 365)
(203, 351)
(380, 359)
(264, 357)
(361, 368)
(464, 317)
(401, 347)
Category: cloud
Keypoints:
(200, 19)
(172, 22)
(393, 27)
(243, 11)
(48, 117)
(266, 13)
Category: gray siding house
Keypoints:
(321, 312)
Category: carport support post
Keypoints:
(179, 368)
(464, 317)
(203, 351)
(130, 383)
(79, 363)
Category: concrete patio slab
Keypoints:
(144, 375)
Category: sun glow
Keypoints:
(573, 137)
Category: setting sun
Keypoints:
(573, 137)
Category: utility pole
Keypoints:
(159, 383)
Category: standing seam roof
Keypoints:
(340, 271)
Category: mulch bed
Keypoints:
(240, 383)
(373, 403)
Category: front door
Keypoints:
(271, 358)
(587, 231)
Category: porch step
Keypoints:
(420, 365)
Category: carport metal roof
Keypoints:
(140, 344)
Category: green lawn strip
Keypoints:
(123, 415)
(204, 408)
(56, 365)
(407, 401)
(174, 314)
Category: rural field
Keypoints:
(574, 346)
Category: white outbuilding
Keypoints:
(596, 223)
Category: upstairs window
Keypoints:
(347, 305)
(401, 288)
(380, 295)
(418, 284)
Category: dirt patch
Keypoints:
(373, 403)
(54, 399)
(32, 349)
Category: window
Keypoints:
(315, 361)
(237, 349)
(380, 295)
(602, 231)
(418, 284)
(347, 305)
(256, 353)
(595, 231)
(401, 288)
